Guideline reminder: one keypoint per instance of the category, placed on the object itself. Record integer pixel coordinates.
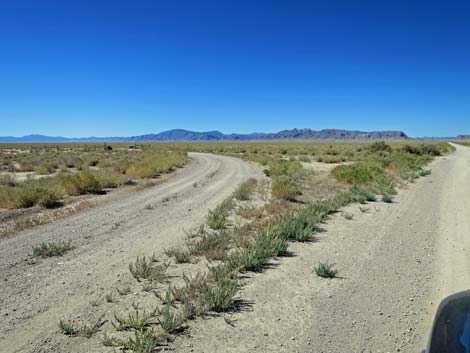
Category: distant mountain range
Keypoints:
(185, 135)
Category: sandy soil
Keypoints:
(395, 262)
(35, 296)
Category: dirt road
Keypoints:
(396, 261)
(34, 297)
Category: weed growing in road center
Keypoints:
(169, 320)
(217, 218)
(180, 255)
(213, 246)
(144, 341)
(50, 249)
(326, 270)
(145, 269)
(348, 216)
(134, 320)
(71, 329)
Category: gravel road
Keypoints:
(396, 262)
(34, 297)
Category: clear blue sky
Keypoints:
(107, 68)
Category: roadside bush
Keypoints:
(379, 146)
(145, 269)
(293, 169)
(169, 320)
(283, 187)
(299, 227)
(7, 180)
(213, 246)
(81, 183)
(144, 341)
(357, 173)
(422, 149)
(245, 190)
(35, 192)
(217, 218)
(180, 255)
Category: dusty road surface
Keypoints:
(396, 261)
(34, 297)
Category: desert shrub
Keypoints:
(387, 198)
(35, 192)
(424, 172)
(258, 253)
(217, 218)
(213, 246)
(136, 320)
(202, 294)
(142, 268)
(245, 190)
(7, 180)
(53, 248)
(218, 297)
(299, 227)
(144, 341)
(326, 270)
(323, 208)
(180, 255)
(169, 320)
(357, 173)
(72, 329)
(47, 167)
(140, 172)
(379, 146)
(284, 187)
(83, 182)
(293, 169)
(422, 149)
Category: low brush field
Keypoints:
(44, 175)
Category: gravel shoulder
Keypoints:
(395, 262)
(35, 296)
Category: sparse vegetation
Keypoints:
(144, 341)
(212, 245)
(146, 269)
(245, 190)
(73, 329)
(179, 255)
(136, 320)
(217, 218)
(77, 169)
(52, 248)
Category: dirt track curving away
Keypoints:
(35, 297)
(396, 262)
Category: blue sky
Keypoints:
(120, 68)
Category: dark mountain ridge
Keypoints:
(186, 135)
